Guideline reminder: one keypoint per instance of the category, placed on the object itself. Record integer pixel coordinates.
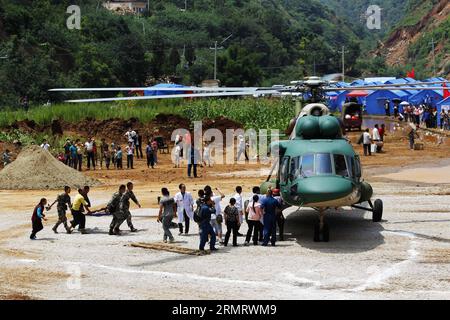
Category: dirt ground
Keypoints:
(406, 256)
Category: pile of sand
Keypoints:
(35, 168)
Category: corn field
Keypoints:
(251, 113)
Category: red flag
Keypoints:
(446, 91)
(411, 74)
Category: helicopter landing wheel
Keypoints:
(321, 235)
(321, 229)
(377, 213)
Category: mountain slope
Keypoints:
(272, 41)
(410, 43)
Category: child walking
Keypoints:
(37, 217)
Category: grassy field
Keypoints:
(251, 113)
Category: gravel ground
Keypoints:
(407, 256)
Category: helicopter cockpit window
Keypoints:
(340, 166)
(323, 164)
(284, 170)
(307, 165)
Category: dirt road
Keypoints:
(405, 256)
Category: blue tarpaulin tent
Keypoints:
(153, 91)
(431, 96)
(375, 101)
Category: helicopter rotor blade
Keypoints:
(384, 88)
(180, 89)
(175, 96)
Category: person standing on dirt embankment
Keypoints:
(167, 211)
(78, 206)
(63, 203)
(124, 208)
(90, 153)
(113, 207)
(37, 217)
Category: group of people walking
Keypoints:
(118, 207)
(262, 213)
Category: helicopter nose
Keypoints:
(321, 189)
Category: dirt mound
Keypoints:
(222, 123)
(36, 168)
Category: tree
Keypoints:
(174, 59)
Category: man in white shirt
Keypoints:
(376, 134)
(131, 135)
(89, 146)
(367, 141)
(185, 208)
(241, 148)
(45, 145)
(376, 137)
(240, 206)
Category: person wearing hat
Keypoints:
(279, 212)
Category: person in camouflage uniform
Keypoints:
(124, 209)
(62, 204)
(113, 207)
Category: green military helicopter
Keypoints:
(317, 166)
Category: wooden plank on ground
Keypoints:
(170, 247)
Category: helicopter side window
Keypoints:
(295, 167)
(357, 167)
(340, 165)
(323, 164)
(351, 165)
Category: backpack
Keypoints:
(197, 216)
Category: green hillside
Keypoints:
(271, 43)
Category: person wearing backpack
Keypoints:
(199, 202)
(206, 229)
(232, 220)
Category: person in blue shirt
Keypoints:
(119, 158)
(205, 226)
(73, 156)
(37, 217)
(269, 206)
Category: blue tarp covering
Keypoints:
(375, 101)
(431, 96)
(152, 91)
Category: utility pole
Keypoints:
(434, 56)
(343, 52)
(215, 54)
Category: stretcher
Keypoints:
(170, 247)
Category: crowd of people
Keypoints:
(107, 155)
(422, 115)
(261, 212)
